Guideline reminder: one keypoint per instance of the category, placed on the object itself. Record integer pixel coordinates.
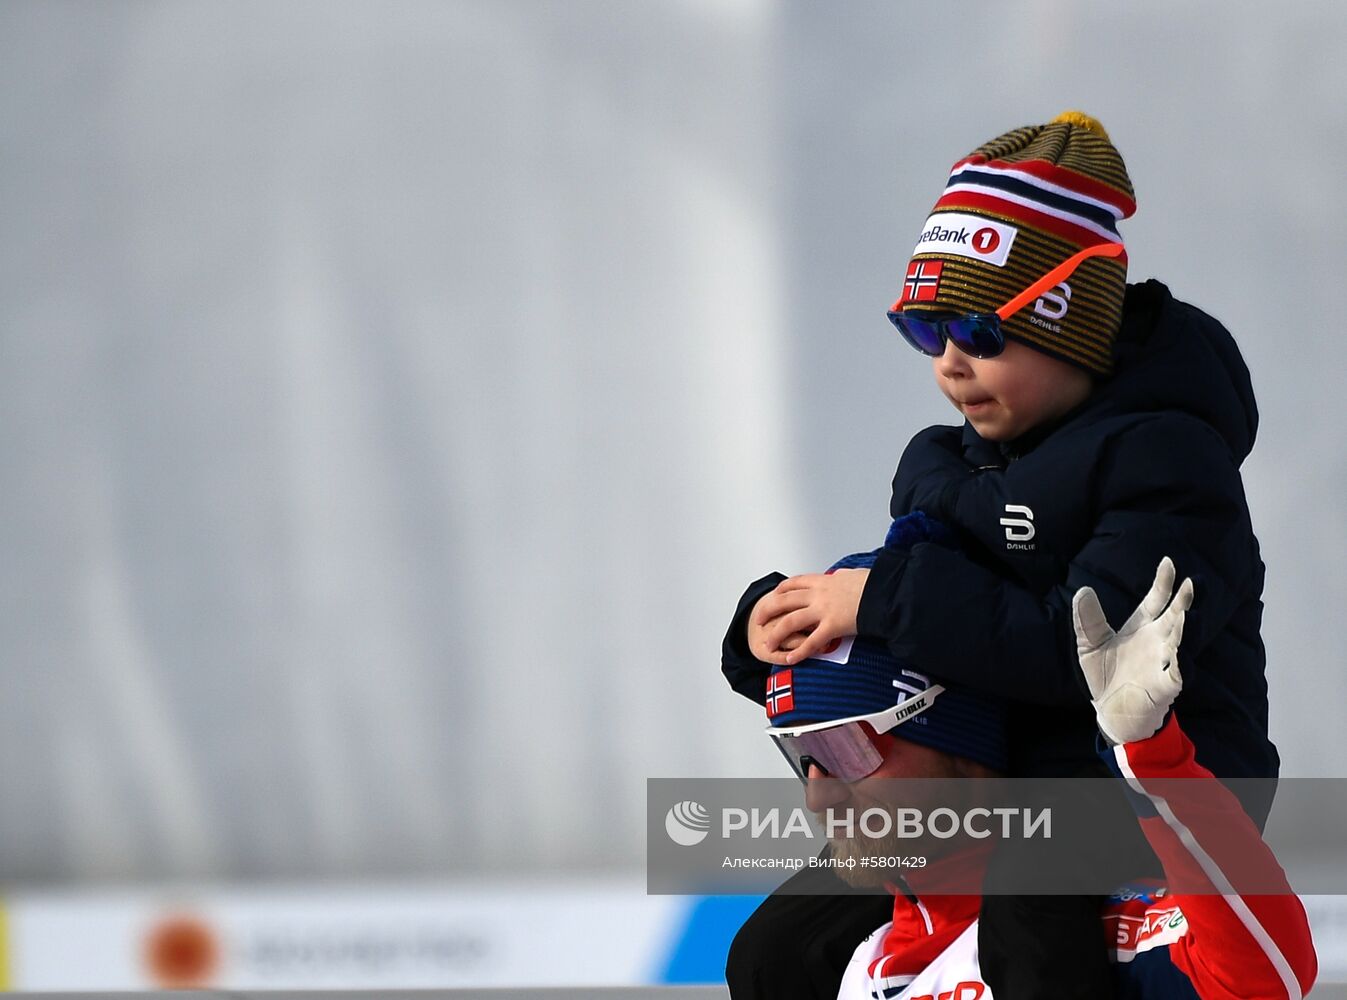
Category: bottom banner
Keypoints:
(541, 933)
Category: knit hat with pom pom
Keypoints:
(1014, 209)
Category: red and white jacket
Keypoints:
(1211, 945)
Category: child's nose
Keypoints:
(952, 363)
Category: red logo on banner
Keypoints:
(182, 952)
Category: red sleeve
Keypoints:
(1248, 936)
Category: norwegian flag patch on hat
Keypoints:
(922, 283)
(780, 694)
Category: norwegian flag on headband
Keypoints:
(922, 283)
(780, 697)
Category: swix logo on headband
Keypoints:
(966, 236)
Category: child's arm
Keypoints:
(971, 625)
(744, 671)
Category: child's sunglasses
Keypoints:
(979, 335)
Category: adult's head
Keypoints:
(854, 720)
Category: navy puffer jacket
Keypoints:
(1147, 467)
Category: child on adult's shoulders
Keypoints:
(1103, 428)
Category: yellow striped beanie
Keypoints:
(1013, 210)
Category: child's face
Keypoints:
(1012, 393)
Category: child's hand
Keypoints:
(804, 614)
(757, 639)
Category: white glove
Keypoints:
(1133, 674)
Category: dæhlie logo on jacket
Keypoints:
(1019, 529)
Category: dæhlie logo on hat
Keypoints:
(687, 823)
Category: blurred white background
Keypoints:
(397, 397)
